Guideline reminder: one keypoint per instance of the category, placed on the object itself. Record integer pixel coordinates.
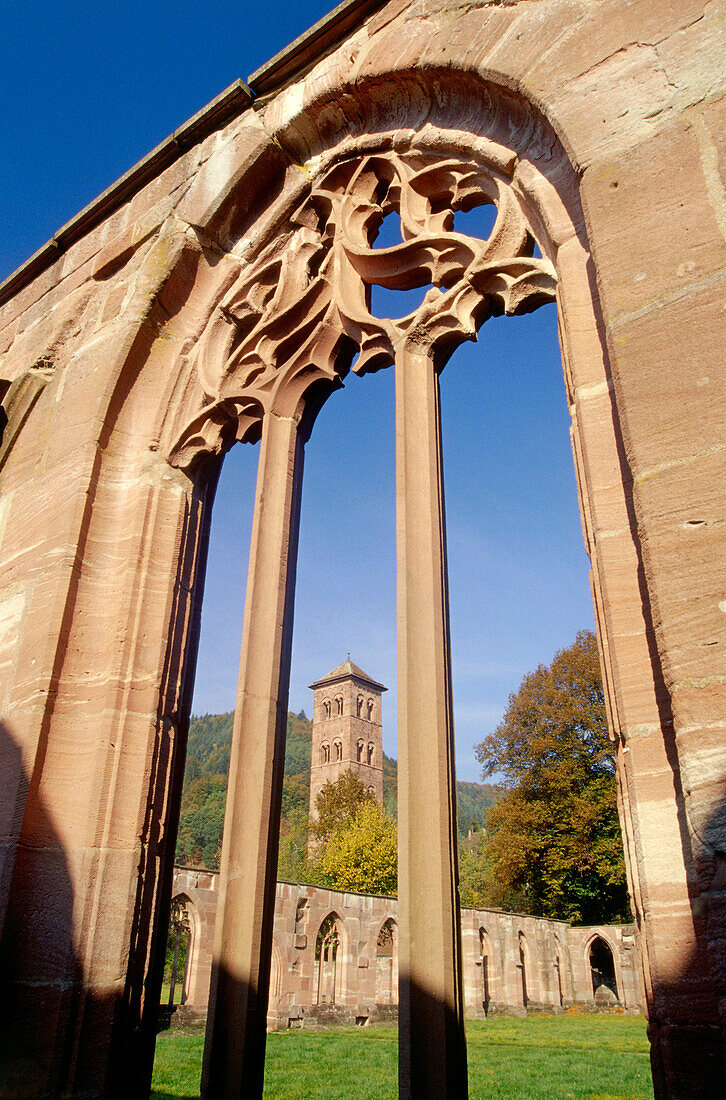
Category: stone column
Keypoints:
(432, 1052)
(234, 1052)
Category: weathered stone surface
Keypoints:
(365, 988)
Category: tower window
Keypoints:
(326, 708)
(338, 750)
(371, 750)
(360, 746)
(325, 754)
(339, 704)
(370, 710)
(359, 706)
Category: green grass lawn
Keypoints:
(577, 1057)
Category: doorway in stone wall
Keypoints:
(602, 972)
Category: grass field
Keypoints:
(540, 1058)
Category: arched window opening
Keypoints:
(359, 750)
(177, 952)
(338, 750)
(523, 953)
(359, 706)
(371, 750)
(387, 964)
(327, 959)
(369, 710)
(485, 953)
(326, 708)
(372, 790)
(339, 704)
(602, 970)
(325, 754)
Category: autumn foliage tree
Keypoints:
(362, 856)
(553, 839)
(337, 803)
(354, 845)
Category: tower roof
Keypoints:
(348, 671)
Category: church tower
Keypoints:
(347, 730)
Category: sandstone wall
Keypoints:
(558, 973)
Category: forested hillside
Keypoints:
(205, 786)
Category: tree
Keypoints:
(362, 854)
(354, 841)
(337, 803)
(553, 838)
(202, 816)
(293, 861)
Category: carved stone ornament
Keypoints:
(300, 310)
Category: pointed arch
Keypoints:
(386, 992)
(327, 980)
(486, 957)
(600, 958)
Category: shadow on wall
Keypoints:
(44, 1051)
(422, 1071)
(54, 1029)
(687, 1045)
(688, 1051)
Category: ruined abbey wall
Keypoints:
(556, 966)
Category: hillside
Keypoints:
(205, 786)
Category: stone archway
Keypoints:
(601, 961)
(224, 302)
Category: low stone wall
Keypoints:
(335, 960)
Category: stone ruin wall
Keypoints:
(300, 910)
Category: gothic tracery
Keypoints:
(301, 309)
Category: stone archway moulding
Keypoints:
(226, 302)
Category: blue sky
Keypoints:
(89, 89)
